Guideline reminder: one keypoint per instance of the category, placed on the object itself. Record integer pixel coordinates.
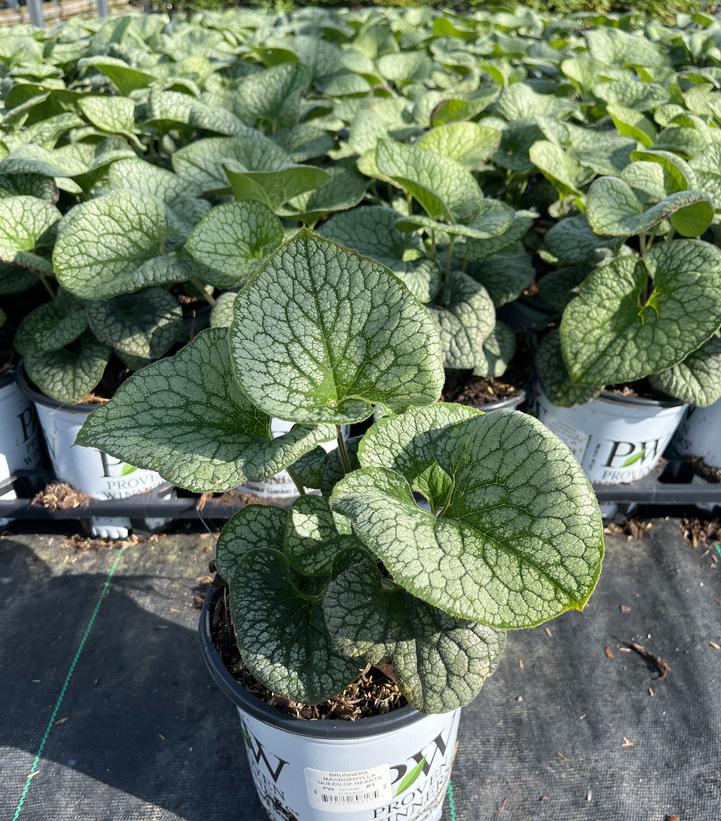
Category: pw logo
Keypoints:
(625, 454)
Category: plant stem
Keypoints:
(296, 481)
(642, 244)
(46, 284)
(344, 458)
(445, 288)
(433, 244)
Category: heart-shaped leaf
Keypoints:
(440, 662)
(160, 419)
(253, 527)
(498, 351)
(281, 632)
(371, 230)
(51, 326)
(273, 96)
(143, 325)
(697, 379)
(275, 188)
(504, 276)
(316, 538)
(445, 189)
(464, 322)
(233, 239)
(553, 376)
(23, 223)
(510, 478)
(113, 245)
(203, 162)
(468, 143)
(68, 375)
(351, 336)
(572, 241)
(634, 317)
(112, 114)
(560, 167)
(221, 314)
(614, 210)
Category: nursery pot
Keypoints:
(19, 436)
(615, 438)
(699, 434)
(87, 469)
(384, 768)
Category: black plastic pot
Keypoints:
(510, 403)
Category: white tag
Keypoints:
(351, 791)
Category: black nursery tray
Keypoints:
(673, 484)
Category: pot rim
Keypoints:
(22, 381)
(511, 402)
(610, 396)
(258, 709)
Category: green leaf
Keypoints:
(614, 332)
(51, 326)
(332, 470)
(464, 322)
(470, 144)
(445, 189)
(161, 419)
(145, 324)
(203, 162)
(351, 336)
(281, 633)
(34, 159)
(371, 230)
(316, 538)
(697, 379)
(124, 77)
(632, 123)
(707, 169)
(507, 242)
(233, 240)
(557, 288)
(113, 245)
(614, 210)
(29, 185)
(498, 351)
(343, 190)
(253, 527)
(406, 444)
(440, 662)
(274, 95)
(511, 478)
(519, 101)
(559, 167)
(23, 223)
(114, 115)
(553, 376)
(572, 241)
(493, 219)
(15, 280)
(275, 188)
(68, 375)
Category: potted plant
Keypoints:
(637, 331)
(359, 580)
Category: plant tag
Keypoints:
(350, 791)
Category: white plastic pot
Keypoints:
(699, 434)
(19, 437)
(389, 767)
(87, 469)
(615, 439)
(279, 487)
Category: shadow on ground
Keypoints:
(562, 731)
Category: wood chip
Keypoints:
(651, 692)
(61, 721)
(714, 645)
(625, 649)
(673, 818)
(589, 795)
(544, 797)
(627, 743)
(609, 653)
(548, 632)
(562, 756)
(624, 608)
(520, 663)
